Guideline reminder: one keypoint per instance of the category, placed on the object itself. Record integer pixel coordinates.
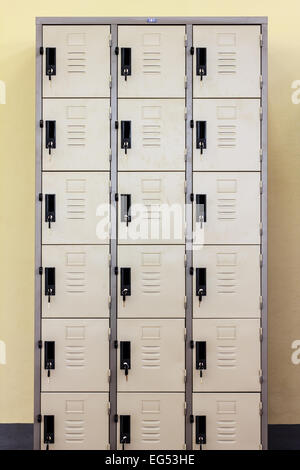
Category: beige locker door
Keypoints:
(157, 135)
(156, 420)
(232, 135)
(232, 61)
(80, 420)
(81, 281)
(157, 355)
(82, 61)
(232, 281)
(81, 355)
(82, 134)
(157, 61)
(157, 281)
(157, 208)
(232, 355)
(232, 208)
(232, 420)
(81, 199)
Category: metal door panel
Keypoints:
(81, 355)
(157, 357)
(232, 420)
(82, 61)
(157, 61)
(156, 420)
(232, 135)
(232, 61)
(157, 135)
(82, 134)
(80, 420)
(157, 281)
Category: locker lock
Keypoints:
(124, 430)
(49, 209)
(201, 357)
(50, 142)
(126, 208)
(48, 430)
(49, 282)
(49, 356)
(50, 61)
(201, 209)
(126, 135)
(125, 62)
(125, 283)
(201, 430)
(201, 65)
(201, 135)
(125, 357)
(200, 283)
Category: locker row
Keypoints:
(153, 421)
(151, 134)
(151, 63)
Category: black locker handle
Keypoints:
(50, 209)
(200, 283)
(126, 135)
(49, 360)
(49, 282)
(125, 357)
(50, 61)
(201, 63)
(125, 283)
(201, 212)
(201, 356)
(50, 135)
(200, 430)
(49, 436)
(125, 62)
(126, 208)
(201, 135)
(124, 430)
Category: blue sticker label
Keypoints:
(151, 20)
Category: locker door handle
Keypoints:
(49, 362)
(50, 209)
(125, 62)
(201, 356)
(201, 135)
(50, 135)
(50, 61)
(49, 282)
(201, 208)
(201, 65)
(125, 357)
(126, 208)
(201, 430)
(49, 430)
(200, 283)
(124, 430)
(125, 283)
(126, 135)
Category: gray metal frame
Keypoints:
(114, 22)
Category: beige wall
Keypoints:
(17, 36)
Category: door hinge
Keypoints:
(192, 124)
(40, 270)
(116, 270)
(261, 82)
(185, 154)
(185, 261)
(109, 40)
(260, 302)
(109, 334)
(260, 376)
(191, 271)
(117, 50)
(261, 408)
(185, 186)
(110, 155)
(185, 408)
(261, 228)
(192, 50)
(41, 50)
(40, 344)
(261, 155)
(41, 123)
(260, 334)
(108, 407)
(261, 187)
(260, 113)
(185, 113)
(184, 302)
(110, 81)
(260, 260)
(109, 301)
(108, 376)
(261, 40)
(184, 376)
(185, 39)
(116, 196)
(185, 81)
(184, 334)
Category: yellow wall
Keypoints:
(17, 37)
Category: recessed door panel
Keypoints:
(157, 135)
(81, 208)
(155, 213)
(232, 420)
(231, 359)
(82, 130)
(156, 421)
(79, 57)
(152, 62)
(232, 281)
(229, 210)
(231, 135)
(226, 61)
(157, 355)
(81, 355)
(157, 281)
(80, 420)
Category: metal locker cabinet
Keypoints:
(157, 281)
(156, 133)
(232, 420)
(81, 134)
(80, 61)
(231, 208)
(80, 420)
(156, 207)
(231, 354)
(81, 199)
(157, 63)
(81, 350)
(156, 355)
(232, 62)
(231, 281)
(230, 134)
(81, 280)
(156, 421)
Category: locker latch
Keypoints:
(201, 208)
(124, 430)
(201, 135)
(125, 62)
(49, 361)
(125, 283)
(201, 430)
(50, 61)
(201, 357)
(201, 66)
(49, 282)
(200, 283)
(126, 208)
(48, 430)
(125, 357)
(126, 135)
(49, 209)
(50, 135)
